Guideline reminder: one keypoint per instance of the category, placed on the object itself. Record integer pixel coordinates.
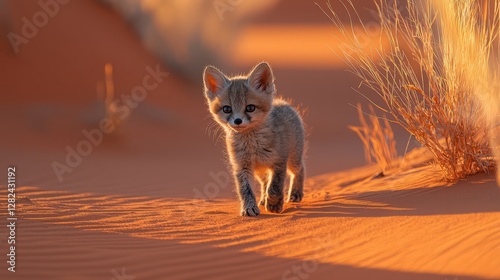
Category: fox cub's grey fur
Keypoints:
(264, 136)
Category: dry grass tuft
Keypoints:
(378, 139)
(110, 105)
(439, 92)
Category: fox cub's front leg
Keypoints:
(248, 203)
(297, 186)
(274, 198)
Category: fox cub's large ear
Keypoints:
(262, 79)
(214, 81)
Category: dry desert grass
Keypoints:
(378, 139)
(432, 90)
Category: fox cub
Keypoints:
(264, 136)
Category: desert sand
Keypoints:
(155, 199)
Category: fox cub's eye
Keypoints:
(250, 108)
(227, 109)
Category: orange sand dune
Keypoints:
(290, 46)
(155, 201)
(404, 226)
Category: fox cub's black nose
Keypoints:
(237, 121)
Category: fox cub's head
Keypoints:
(242, 102)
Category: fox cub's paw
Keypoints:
(250, 210)
(274, 206)
(296, 197)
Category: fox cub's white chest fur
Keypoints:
(264, 136)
